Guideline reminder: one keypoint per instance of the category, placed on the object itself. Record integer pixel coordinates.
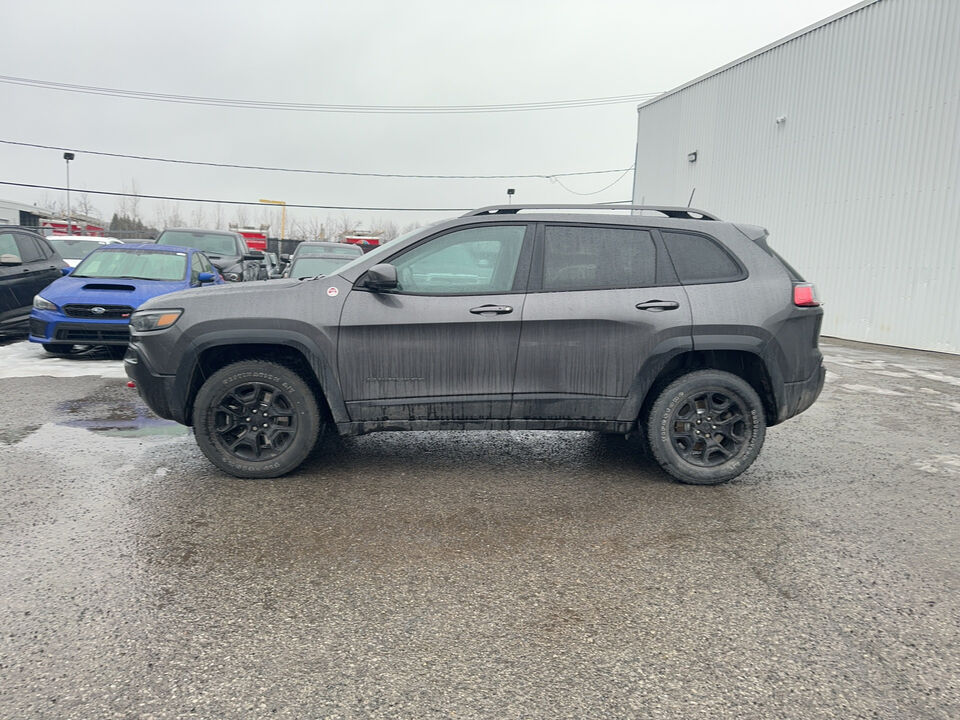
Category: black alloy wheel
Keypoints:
(709, 428)
(256, 419)
(706, 427)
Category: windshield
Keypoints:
(211, 243)
(73, 249)
(312, 266)
(135, 264)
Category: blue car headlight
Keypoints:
(41, 303)
(147, 320)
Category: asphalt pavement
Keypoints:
(491, 575)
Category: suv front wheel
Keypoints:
(706, 427)
(256, 419)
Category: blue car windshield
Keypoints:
(210, 243)
(135, 264)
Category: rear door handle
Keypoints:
(492, 310)
(658, 305)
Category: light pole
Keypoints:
(283, 213)
(510, 193)
(68, 156)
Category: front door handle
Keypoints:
(492, 310)
(658, 305)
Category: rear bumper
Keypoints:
(798, 396)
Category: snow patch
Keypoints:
(27, 359)
(871, 389)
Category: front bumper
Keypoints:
(50, 327)
(154, 389)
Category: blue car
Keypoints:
(92, 304)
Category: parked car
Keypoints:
(324, 248)
(686, 330)
(272, 266)
(92, 305)
(314, 265)
(74, 248)
(227, 250)
(28, 263)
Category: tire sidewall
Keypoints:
(677, 393)
(296, 390)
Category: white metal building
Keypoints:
(843, 140)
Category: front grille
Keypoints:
(38, 328)
(93, 333)
(110, 312)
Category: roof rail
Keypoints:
(683, 213)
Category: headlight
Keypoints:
(41, 303)
(148, 320)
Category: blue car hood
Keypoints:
(108, 291)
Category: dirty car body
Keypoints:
(687, 330)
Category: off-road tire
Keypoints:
(256, 419)
(706, 427)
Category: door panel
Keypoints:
(409, 357)
(607, 301)
(580, 351)
(443, 344)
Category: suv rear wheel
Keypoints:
(256, 419)
(706, 427)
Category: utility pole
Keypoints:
(283, 214)
(68, 156)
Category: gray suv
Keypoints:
(687, 330)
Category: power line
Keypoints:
(538, 176)
(324, 107)
(228, 202)
(245, 202)
(595, 192)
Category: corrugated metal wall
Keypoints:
(859, 185)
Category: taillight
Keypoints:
(805, 295)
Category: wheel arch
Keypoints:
(748, 365)
(295, 352)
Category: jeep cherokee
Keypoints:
(687, 330)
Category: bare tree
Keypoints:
(198, 217)
(168, 215)
(218, 221)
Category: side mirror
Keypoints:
(381, 277)
(285, 257)
(66, 270)
(253, 255)
(206, 277)
(10, 259)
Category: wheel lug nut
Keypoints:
(265, 424)
(248, 419)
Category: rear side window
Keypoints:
(8, 246)
(699, 259)
(597, 258)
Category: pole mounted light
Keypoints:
(68, 156)
(510, 193)
(283, 213)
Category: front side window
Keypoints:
(8, 246)
(466, 262)
(195, 269)
(133, 264)
(596, 258)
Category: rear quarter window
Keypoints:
(701, 259)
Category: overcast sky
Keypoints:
(364, 52)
